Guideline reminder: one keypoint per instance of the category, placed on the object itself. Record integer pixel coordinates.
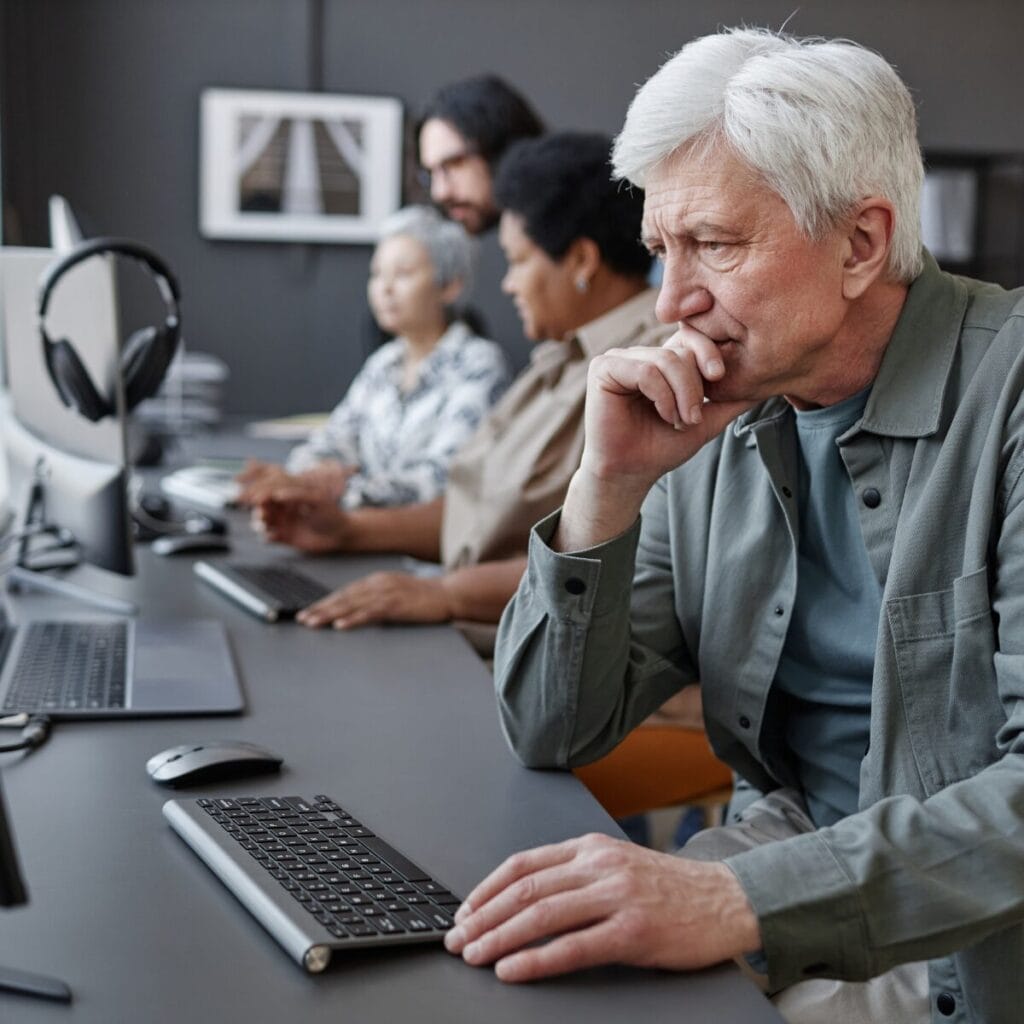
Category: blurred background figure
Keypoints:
(577, 274)
(464, 131)
(419, 397)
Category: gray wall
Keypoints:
(100, 103)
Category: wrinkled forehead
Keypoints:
(700, 182)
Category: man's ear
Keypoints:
(868, 242)
(582, 259)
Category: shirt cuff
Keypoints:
(583, 584)
(808, 910)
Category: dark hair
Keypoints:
(487, 112)
(562, 187)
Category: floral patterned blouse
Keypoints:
(402, 441)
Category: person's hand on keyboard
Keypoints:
(381, 597)
(600, 901)
(290, 514)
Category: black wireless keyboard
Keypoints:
(270, 592)
(316, 878)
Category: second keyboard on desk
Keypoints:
(316, 878)
(270, 592)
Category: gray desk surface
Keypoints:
(397, 724)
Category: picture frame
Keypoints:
(298, 167)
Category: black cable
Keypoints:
(63, 537)
(34, 734)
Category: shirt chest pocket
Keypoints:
(944, 644)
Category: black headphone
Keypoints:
(147, 352)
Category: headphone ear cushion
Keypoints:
(72, 381)
(147, 354)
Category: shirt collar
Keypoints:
(455, 334)
(618, 327)
(906, 396)
(906, 399)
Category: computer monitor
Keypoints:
(65, 231)
(64, 471)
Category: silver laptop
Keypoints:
(111, 668)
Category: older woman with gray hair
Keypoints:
(419, 397)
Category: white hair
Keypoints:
(824, 123)
(451, 250)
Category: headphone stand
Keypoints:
(23, 577)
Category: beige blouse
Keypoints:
(516, 468)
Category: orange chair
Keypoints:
(658, 766)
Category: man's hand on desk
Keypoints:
(291, 515)
(602, 901)
(381, 597)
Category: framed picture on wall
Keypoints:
(297, 167)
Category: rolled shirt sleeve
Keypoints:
(569, 682)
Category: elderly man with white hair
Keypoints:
(811, 500)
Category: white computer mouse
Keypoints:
(183, 543)
(210, 761)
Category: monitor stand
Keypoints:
(38, 985)
(13, 894)
(23, 576)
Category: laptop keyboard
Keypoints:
(270, 591)
(70, 666)
(310, 868)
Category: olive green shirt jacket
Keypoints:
(932, 865)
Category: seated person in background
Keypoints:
(463, 133)
(829, 457)
(577, 275)
(419, 397)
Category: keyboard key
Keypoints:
(431, 889)
(436, 916)
(411, 921)
(390, 855)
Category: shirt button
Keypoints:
(946, 1004)
(871, 497)
(779, 610)
(744, 722)
(575, 585)
(787, 492)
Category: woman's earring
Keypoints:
(582, 284)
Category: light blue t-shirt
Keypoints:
(828, 658)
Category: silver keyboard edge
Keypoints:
(183, 817)
(212, 575)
